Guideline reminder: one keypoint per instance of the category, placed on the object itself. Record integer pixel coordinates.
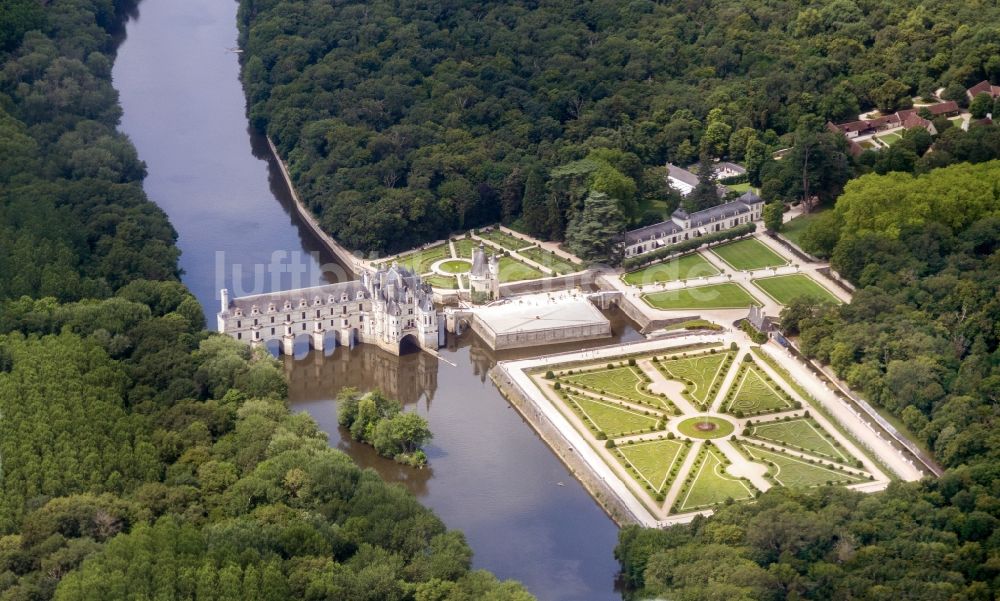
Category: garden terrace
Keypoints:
(701, 373)
(748, 255)
(754, 393)
(685, 268)
(708, 484)
(727, 295)
(785, 288)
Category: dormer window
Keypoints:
(288, 305)
(271, 308)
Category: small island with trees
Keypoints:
(379, 421)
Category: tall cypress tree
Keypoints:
(534, 213)
(595, 234)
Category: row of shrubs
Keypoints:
(685, 246)
(689, 480)
(748, 362)
(657, 495)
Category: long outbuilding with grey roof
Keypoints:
(684, 226)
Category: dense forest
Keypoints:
(920, 339)
(142, 457)
(403, 121)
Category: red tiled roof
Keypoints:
(979, 88)
(943, 108)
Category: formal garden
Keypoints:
(785, 288)
(749, 254)
(687, 267)
(442, 267)
(689, 428)
(726, 295)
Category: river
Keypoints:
(525, 516)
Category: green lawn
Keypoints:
(421, 261)
(503, 239)
(455, 266)
(623, 382)
(653, 460)
(784, 288)
(890, 139)
(553, 261)
(800, 434)
(748, 255)
(697, 372)
(741, 188)
(794, 229)
(727, 295)
(711, 484)
(512, 270)
(685, 268)
(441, 281)
(798, 473)
(614, 420)
(752, 394)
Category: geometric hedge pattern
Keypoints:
(632, 424)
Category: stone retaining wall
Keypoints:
(343, 255)
(597, 488)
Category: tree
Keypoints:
(891, 96)
(595, 234)
(773, 213)
(534, 216)
(980, 105)
(715, 140)
(706, 193)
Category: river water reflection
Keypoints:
(523, 513)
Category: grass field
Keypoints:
(794, 229)
(512, 270)
(784, 288)
(727, 295)
(420, 262)
(801, 434)
(623, 382)
(699, 372)
(748, 255)
(503, 239)
(613, 420)
(753, 395)
(464, 247)
(551, 260)
(685, 268)
(455, 266)
(890, 139)
(741, 188)
(711, 484)
(653, 460)
(441, 281)
(794, 472)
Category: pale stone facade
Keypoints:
(385, 307)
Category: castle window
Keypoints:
(272, 319)
(303, 315)
(303, 326)
(239, 336)
(345, 309)
(360, 308)
(317, 312)
(239, 324)
(272, 331)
